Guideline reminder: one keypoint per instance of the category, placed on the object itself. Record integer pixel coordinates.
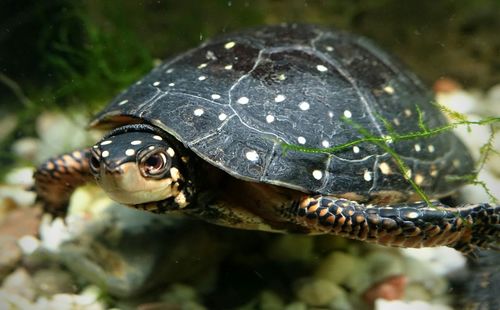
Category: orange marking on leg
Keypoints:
(49, 165)
(323, 212)
(313, 208)
(77, 154)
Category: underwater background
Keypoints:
(61, 61)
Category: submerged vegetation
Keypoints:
(386, 142)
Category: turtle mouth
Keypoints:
(125, 184)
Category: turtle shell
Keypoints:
(239, 98)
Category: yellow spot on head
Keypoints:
(174, 172)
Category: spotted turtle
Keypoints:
(244, 131)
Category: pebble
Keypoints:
(19, 283)
(20, 222)
(338, 266)
(375, 267)
(10, 255)
(317, 292)
(22, 176)
(391, 288)
(382, 304)
(16, 195)
(270, 300)
(52, 281)
(459, 100)
(441, 260)
(8, 123)
(292, 248)
(59, 133)
(26, 148)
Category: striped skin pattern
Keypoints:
(58, 177)
(404, 225)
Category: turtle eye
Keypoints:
(94, 164)
(155, 164)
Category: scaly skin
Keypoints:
(404, 225)
(58, 177)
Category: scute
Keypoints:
(238, 98)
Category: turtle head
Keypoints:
(137, 166)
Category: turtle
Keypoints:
(288, 128)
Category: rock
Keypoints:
(416, 291)
(8, 123)
(374, 267)
(14, 301)
(19, 283)
(317, 292)
(270, 300)
(68, 301)
(441, 260)
(170, 306)
(26, 148)
(382, 304)
(292, 248)
(21, 222)
(10, 255)
(391, 288)
(446, 85)
(296, 305)
(52, 281)
(15, 195)
(180, 294)
(59, 133)
(7, 205)
(20, 176)
(28, 244)
(337, 267)
(459, 100)
(107, 247)
(475, 193)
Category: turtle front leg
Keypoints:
(58, 177)
(403, 225)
